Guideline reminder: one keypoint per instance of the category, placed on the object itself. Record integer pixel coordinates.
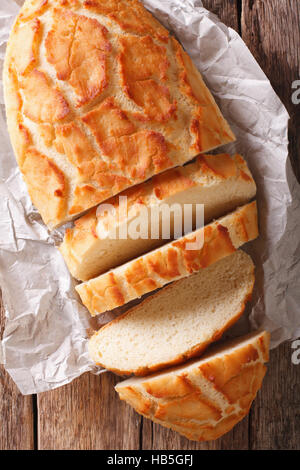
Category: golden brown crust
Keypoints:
(112, 73)
(85, 193)
(137, 276)
(205, 399)
(108, 120)
(130, 16)
(47, 133)
(25, 44)
(134, 398)
(191, 405)
(138, 153)
(175, 260)
(32, 8)
(78, 56)
(47, 183)
(109, 291)
(217, 245)
(205, 135)
(169, 387)
(221, 165)
(167, 266)
(48, 105)
(171, 182)
(144, 67)
(23, 141)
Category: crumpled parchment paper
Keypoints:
(45, 340)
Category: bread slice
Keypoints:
(170, 262)
(219, 182)
(204, 398)
(178, 322)
(100, 97)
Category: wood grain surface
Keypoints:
(271, 30)
(228, 11)
(275, 414)
(87, 413)
(16, 411)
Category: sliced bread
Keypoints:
(179, 321)
(204, 398)
(100, 97)
(219, 182)
(170, 262)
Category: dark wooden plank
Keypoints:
(226, 10)
(155, 436)
(275, 415)
(87, 414)
(271, 30)
(16, 411)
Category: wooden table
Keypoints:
(87, 413)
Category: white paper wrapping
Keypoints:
(45, 340)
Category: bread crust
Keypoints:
(171, 262)
(67, 62)
(206, 398)
(83, 249)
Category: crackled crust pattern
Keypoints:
(106, 96)
(204, 401)
(78, 56)
(171, 262)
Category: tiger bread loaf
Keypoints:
(204, 398)
(170, 262)
(99, 97)
(96, 243)
(178, 322)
